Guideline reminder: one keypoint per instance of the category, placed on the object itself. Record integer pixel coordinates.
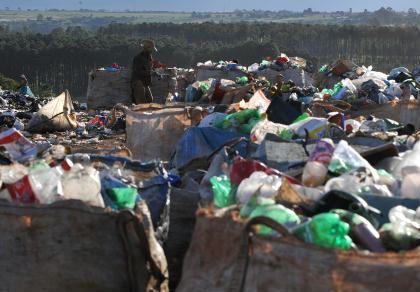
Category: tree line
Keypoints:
(63, 58)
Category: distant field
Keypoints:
(64, 15)
(138, 17)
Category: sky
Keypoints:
(213, 5)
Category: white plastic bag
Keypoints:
(83, 183)
(259, 182)
(346, 159)
(57, 115)
(262, 128)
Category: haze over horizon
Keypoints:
(215, 5)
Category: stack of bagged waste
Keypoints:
(295, 69)
(248, 177)
(109, 86)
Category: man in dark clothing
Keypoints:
(141, 77)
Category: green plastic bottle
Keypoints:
(223, 192)
(123, 198)
(277, 212)
(326, 230)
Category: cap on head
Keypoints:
(149, 45)
(22, 76)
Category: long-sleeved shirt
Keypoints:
(142, 68)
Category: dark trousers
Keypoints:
(140, 92)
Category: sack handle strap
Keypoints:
(239, 273)
(125, 218)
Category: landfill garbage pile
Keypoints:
(361, 84)
(331, 173)
(329, 164)
(304, 157)
(229, 82)
(45, 167)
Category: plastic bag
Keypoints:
(346, 159)
(222, 191)
(18, 147)
(262, 128)
(258, 101)
(243, 121)
(259, 183)
(376, 125)
(57, 115)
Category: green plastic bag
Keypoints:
(277, 212)
(243, 121)
(286, 134)
(124, 198)
(223, 192)
(326, 230)
(336, 89)
(242, 80)
(204, 87)
(323, 69)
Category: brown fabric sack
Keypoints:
(153, 131)
(225, 255)
(69, 246)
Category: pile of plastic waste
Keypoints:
(316, 176)
(292, 153)
(331, 177)
(281, 63)
(224, 65)
(357, 83)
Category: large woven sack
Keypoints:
(56, 115)
(153, 131)
(69, 246)
(105, 89)
(225, 255)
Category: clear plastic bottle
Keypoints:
(46, 185)
(316, 169)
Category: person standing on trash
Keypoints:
(24, 87)
(141, 77)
